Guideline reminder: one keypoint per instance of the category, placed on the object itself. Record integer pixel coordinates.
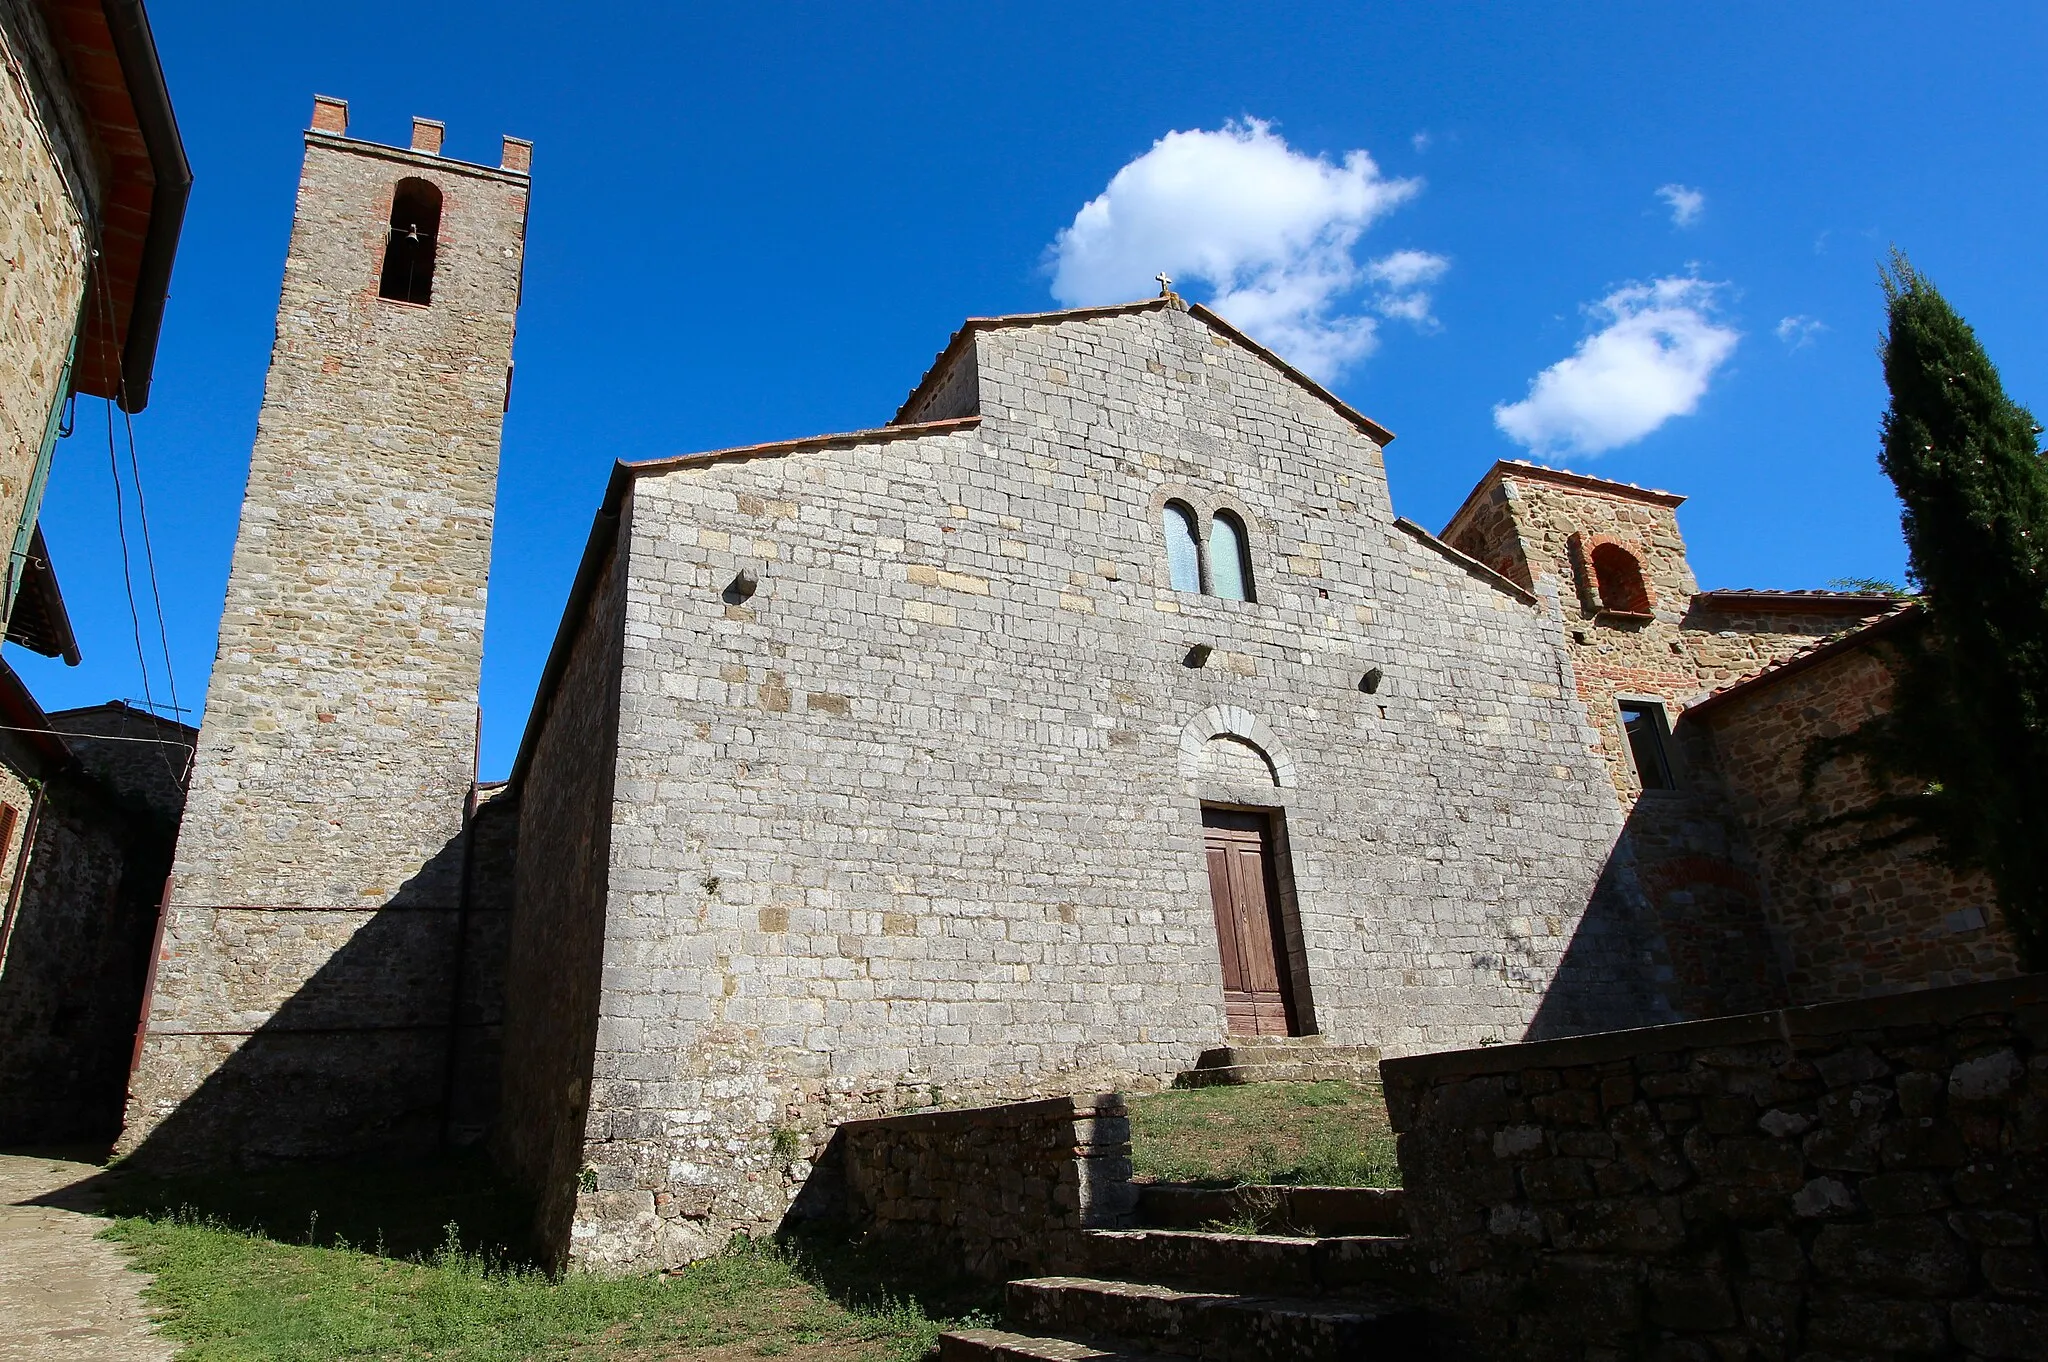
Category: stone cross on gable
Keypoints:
(1165, 284)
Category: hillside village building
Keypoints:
(1095, 710)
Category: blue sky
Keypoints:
(752, 223)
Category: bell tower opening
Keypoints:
(409, 248)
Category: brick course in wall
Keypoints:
(1850, 1181)
(315, 930)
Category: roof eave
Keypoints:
(142, 69)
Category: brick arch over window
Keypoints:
(1611, 575)
(1234, 721)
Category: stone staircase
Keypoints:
(1282, 1059)
(1226, 1297)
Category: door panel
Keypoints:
(1243, 893)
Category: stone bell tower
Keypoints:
(303, 989)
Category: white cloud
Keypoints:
(1653, 360)
(1799, 332)
(1271, 234)
(1686, 204)
(1421, 140)
(1405, 279)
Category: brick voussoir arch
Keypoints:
(1235, 721)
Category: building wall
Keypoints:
(76, 948)
(48, 218)
(313, 934)
(1851, 919)
(920, 821)
(553, 972)
(137, 755)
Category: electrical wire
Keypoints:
(106, 302)
(149, 561)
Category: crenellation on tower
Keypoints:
(319, 886)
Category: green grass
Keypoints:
(1327, 1134)
(231, 1287)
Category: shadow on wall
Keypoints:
(389, 1049)
(1675, 929)
(76, 954)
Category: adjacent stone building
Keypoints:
(89, 806)
(306, 990)
(1708, 704)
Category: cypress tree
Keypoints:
(1970, 714)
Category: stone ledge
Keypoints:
(1787, 1025)
(1081, 1106)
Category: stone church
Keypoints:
(1094, 710)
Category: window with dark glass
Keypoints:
(1230, 564)
(409, 249)
(1649, 743)
(1183, 554)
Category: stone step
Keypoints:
(1217, 1325)
(1305, 1070)
(1282, 1059)
(1000, 1345)
(1282, 1265)
(1276, 1209)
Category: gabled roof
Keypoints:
(1579, 482)
(964, 337)
(1902, 615)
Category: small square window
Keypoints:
(1649, 743)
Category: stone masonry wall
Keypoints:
(479, 1010)
(48, 219)
(1858, 1180)
(552, 972)
(76, 949)
(998, 1192)
(920, 821)
(1850, 920)
(134, 753)
(311, 945)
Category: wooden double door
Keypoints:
(1244, 890)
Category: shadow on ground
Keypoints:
(399, 1210)
(408, 1210)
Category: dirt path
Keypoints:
(65, 1296)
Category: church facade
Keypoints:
(898, 764)
(1095, 710)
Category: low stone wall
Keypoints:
(1001, 1190)
(1854, 1180)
